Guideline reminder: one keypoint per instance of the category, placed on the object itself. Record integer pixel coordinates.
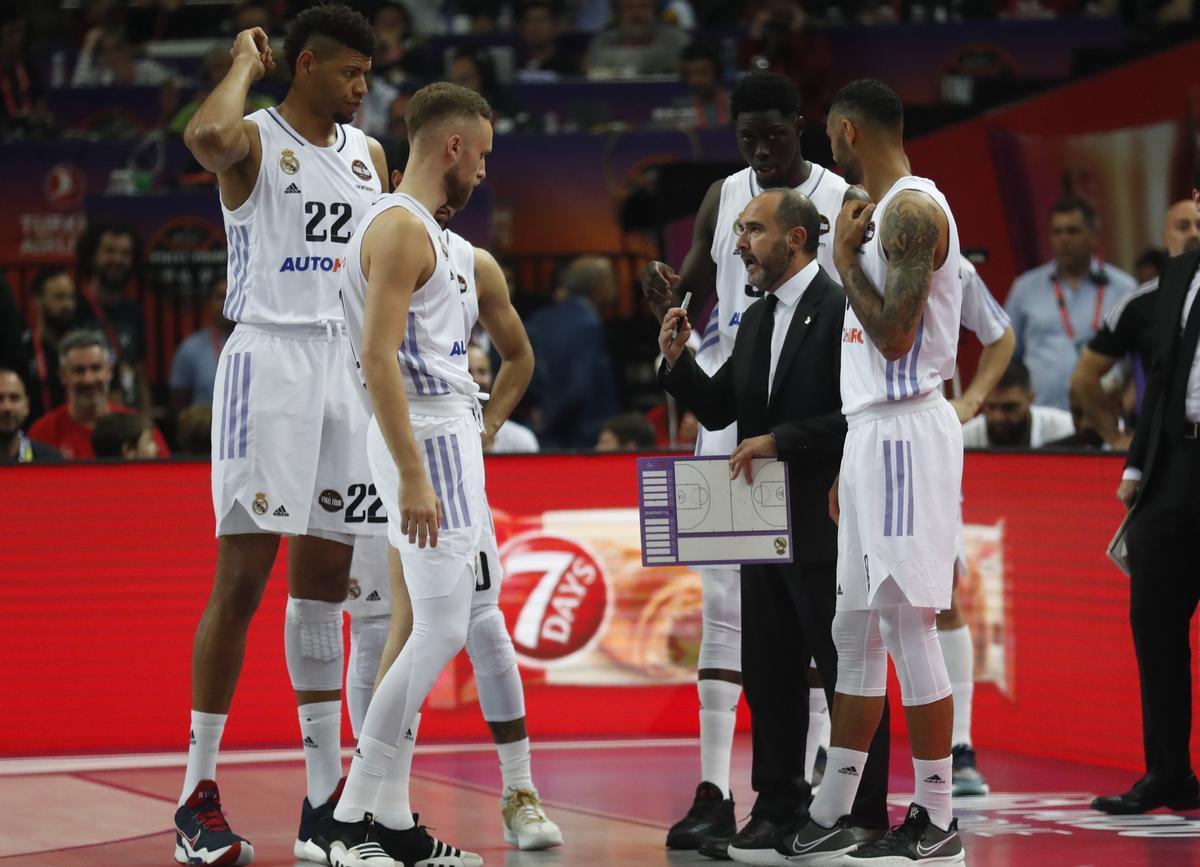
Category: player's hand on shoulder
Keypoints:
(658, 281)
(420, 511)
(253, 45)
(741, 461)
(850, 231)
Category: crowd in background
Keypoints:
(73, 378)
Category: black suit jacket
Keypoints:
(1172, 291)
(804, 411)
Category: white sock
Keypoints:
(321, 736)
(372, 760)
(818, 729)
(204, 741)
(933, 789)
(394, 809)
(959, 653)
(843, 772)
(718, 718)
(514, 765)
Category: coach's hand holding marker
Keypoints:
(675, 333)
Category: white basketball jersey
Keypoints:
(869, 379)
(287, 242)
(462, 260)
(433, 356)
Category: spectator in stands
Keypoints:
(400, 56)
(12, 323)
(54, 315)
(15, 446)
(22, 109)
(630, 431)
(1149, 265)
(397, 125)
(539, 57)
(108, 58)
(1010, 417)
(700, 69)
(193, 432)
(216, 66)
(195, 366)
(86, 367)
(1085, 435)
(512, 437)
(1056, 308)
(780, 40)
(475, 71)
(574, 377)
(638, 44)
(120, 435)
(109, 253)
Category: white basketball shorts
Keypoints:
(289, 436)
(899, 492)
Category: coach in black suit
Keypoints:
(781, 386)
(1162, 484)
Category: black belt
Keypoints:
(1191, 430)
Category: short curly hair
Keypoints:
(764, 91)
(335, 21)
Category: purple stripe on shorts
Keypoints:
(436, 478)
(887, 474)
(913, 376)
(450, 501)
(458, 480)
(900, 480)
(225, 408)
(910, 489)
(245, 406)
(231, 428)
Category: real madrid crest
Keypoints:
(260, 503)
(360, 170)
(288, 162)
(355, 589)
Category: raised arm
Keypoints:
(912, 235)
(698, 274)
(218, 134)
(504, 327)
(392, 277)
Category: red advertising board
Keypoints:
(106, 569)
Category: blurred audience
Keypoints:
(1056, 308)
(22, 109)
(573, 380)
(194, 369)
(1085, 435)
(779, 40)
(637, 44)
(475, 70)
(539, 57)
(1010, 417)
(109, 254)
(1149, 265)
(397, 123)
(630, 431)
(86, 368)
(126, 436)
(512, 437)
(193, 431)
(108, 57)
(700, 69)
(54, 311)
(15, 446)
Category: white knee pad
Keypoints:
(862, 657)
(911, 638)
(312, 641)
(501, 697)
(368, 637)
(721, 641)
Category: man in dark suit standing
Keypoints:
(1161, 485)
(781, 386)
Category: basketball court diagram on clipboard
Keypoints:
(692, 512)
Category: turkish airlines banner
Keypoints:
(106, 569)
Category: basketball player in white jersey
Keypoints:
(897, 496)
(408, 329)
(766, 114)
(286, 421)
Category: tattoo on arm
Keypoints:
(909, 235)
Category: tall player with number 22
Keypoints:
(288, 426)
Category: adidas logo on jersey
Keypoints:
(459, 348)
(373, 596)
(292, 188)
(281, 512)
(309, 742)
(849, 771)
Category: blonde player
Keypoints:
(896, 498)
(407, 324)
(766, 113)
(287, 425)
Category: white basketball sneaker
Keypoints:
(525, 822)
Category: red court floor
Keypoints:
(613, 800)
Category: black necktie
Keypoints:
(760, 363)
(1177, 390)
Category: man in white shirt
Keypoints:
(512, 438)
(1010, 418)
